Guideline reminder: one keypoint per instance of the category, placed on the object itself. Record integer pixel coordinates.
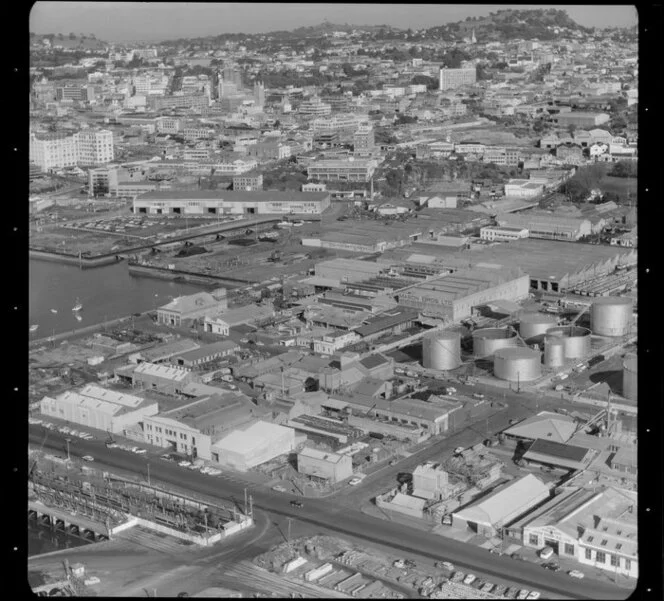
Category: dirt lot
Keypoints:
(495, 135)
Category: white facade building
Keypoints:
(502, 234)
(95, 147)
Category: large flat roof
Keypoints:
(231, 196)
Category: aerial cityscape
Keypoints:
(333, 301)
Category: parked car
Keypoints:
(576, 574)
(478, 395)
(184, 463)
(297, 504)
(534, 595)
(523, 594)
(511, 593)
(445, 564)
(88, 458)
(546, 553)
(166, 457)
(354, 481)
(487, 587)
(112, 445)
(213, 471)
(554, 567)
(500, 590)
(458, 450)
(279, 488)
(469, 579)
(458, 576)
(495, 551)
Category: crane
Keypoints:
(592, 421)
(579, 314)
(370, 409)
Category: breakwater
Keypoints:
(165, 273)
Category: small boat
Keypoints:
(54, 310)
(78, 306)
(78, 317)
(33, 328)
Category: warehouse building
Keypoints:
(206, 354)
(193, 306)
(522, 188)
(558, 455)
(501, 507)
(454, 296)
(245, 449)
(418, 416)
(553, 265)
(100, 408)
(545, 425)
(224, 202)
(166, 379)
(596, 527)
(328, 467)
(550, 227)
(390, 322)
(496, 233)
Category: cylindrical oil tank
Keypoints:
(630, 377)
(554, 351)
(611, 316)
(487, 341)
(576, 340)
(441, 350)
(517, 364)
(533, 326)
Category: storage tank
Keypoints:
(630, 377)
(554, 351)
(576, 340)
(488, 340)
(611, 316)
(533, 326)
(517, 364)
(441, 350)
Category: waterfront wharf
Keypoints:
(76, 524)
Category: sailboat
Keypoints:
(78, 306)
(33, 328)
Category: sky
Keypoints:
(155, 21)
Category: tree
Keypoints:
(72, 36)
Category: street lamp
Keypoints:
(68, 440)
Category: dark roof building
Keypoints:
(558, 454)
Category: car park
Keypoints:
(576, 574)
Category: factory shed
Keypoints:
(407, 504)
(205, 354)
(545, 425)
(260, 442)
(502, 507)
(391, 322)
(559, 455)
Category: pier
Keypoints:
(75, 524)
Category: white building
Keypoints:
(501, 507)
(502, 234)
(177, 436)
(331, 467)
(332, 342)
(95, 147)
(522, 188)
(455, 78)
(260, 442)
(100, 408)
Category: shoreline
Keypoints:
(163, 273)
(83, 262)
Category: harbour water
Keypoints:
(105, 293)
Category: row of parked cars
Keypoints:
(499, 590)
(203, 469)
(124, 447)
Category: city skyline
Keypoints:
(125, 21)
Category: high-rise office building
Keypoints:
(455, 78)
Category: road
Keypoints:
(330, 515)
